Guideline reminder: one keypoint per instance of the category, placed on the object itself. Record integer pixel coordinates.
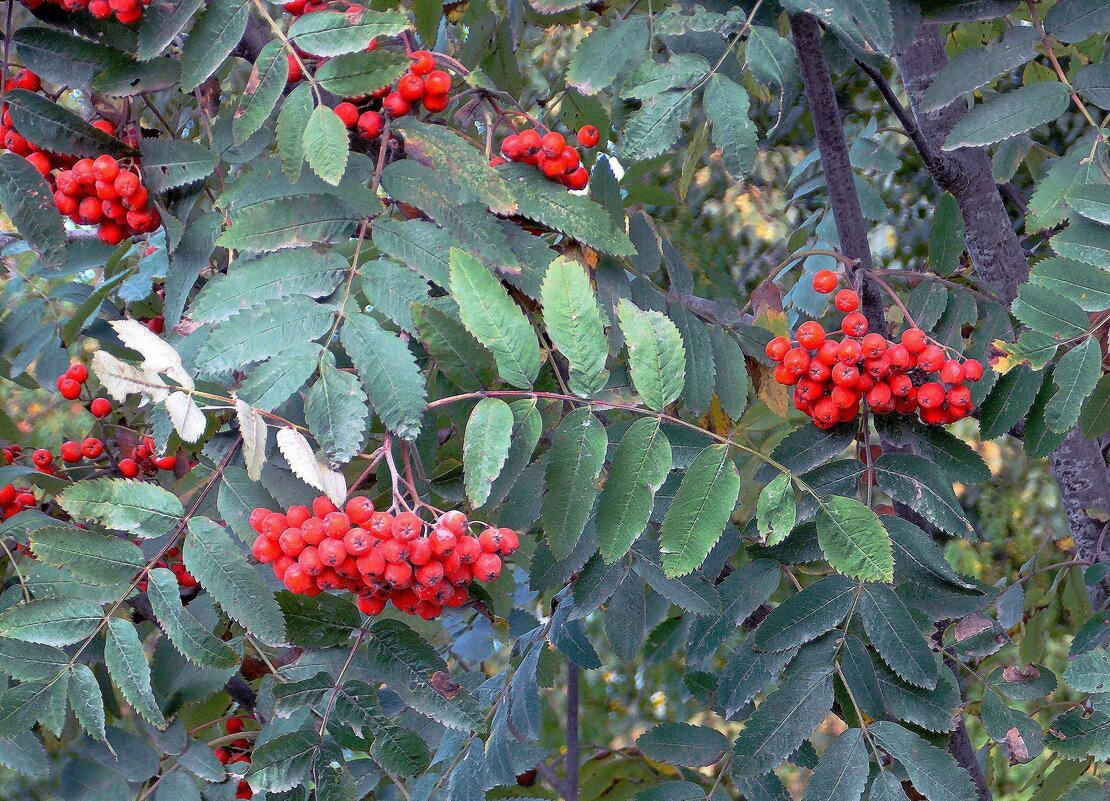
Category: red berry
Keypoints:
(69, 389)
(796, 361)
(41, 162)
(398, 575)
(107, 168)
(972, 370)
(223, 755)
(256, 518)
(291, 542)
(322, 506)
(438, 82)
(358, 541)
(436, 103)
(332, 552)
(126, 184)
(359, 510)
(406, 527)
(931, 359)
(578, 179)
(265, 550)
(490, 540)
(530, 141)
(297, 515)
(442, 541)
(347, 113)
(811, 335)
(234, 725)
(129, 468)
(930, 395)
(295, 74)
(166, 463)
(313, 530)
(487, 567)
(78, 372)
(423, 62)
(396, 105)
(309, 559)
(336, 525)
(825, 281)
(71, 452)
(873, 346)
(371, 605)
(914, 340)
(777, 348)
(846, 300)
(854, 324)
(110, 233)
(411, 87)
(959, 395)
(370, 125)
(296, 579)
(951, 372)
(588, 136)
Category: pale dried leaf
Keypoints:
(252, 427)
(186, 416)
(121, 379)
(308, 468)
(158, 355)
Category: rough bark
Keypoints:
(840, 180)
(1078, 464)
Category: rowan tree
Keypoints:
(555, 399)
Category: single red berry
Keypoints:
(589, 136)
(126, 184)
(297, 580)
(396, 105)
(437, 82)
(487, 567)
(295, 73)
(914, 340)
(530, 141)
(347, 113)
(951, 372)
(336, 524)
(69, 389)
(111, 233)
(407, 527)
(411, 87)
(370, 125)
(959, 395)
(422, 62)
(854, 324)
(156, 324)
(71, 452)
(578, 179)
(811, 335)
(91, 448)
(42, 457)
(930, 395)
(223, 755)
(371, 605)
(359, 509)
(41, 162)
(166, 463)
(436, 103)
(777, 348)
(129, 468)
(873, 345)
(825, 281)
(846, 300)
(107, 168)
(78, 372)
(931, 359)
(973, 370)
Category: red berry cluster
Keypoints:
(13, 499)
(238, 750)
(126, 11)
(550, 152)
(831, 378)
(143, 460)
(98, 191)
(422, 84)
(379, 556)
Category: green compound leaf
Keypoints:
(641, 463)
(495, 320)
(573, 321)
(486, 446)
(126, 662)
(854, 540)
(657, 358)
(700, 511)
(137, 507)
(389, 373)
(195, 642)
(574, 462)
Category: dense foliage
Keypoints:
(555, 399)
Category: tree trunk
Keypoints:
(852, 232)
(1077, 463)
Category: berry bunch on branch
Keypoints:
(833, 377)
(384, 557)
(125, 11)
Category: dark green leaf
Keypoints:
(841, 774)
(896, 637)
(218, 29)
(934, 773)
(1009, 114)
(335, 410)
(189, 635)
(573, 322)
(683, 744)
(389, 373)
(640, 465)
(136, 507)
(57, 129)
(726, 105)
(920, 485)
(94, 557)
(486, 446)
(807, 615)
(126, 662)
(574, 463)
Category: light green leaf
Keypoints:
(271, 277)
(218, 564)
(977, 66)
(573, 322)
(332, 33)
(326, 145)
(657, 358)
(290, 222)
(51, 621)
(1048, 312)
(195, 642)
(853, 539)
(700, 511)
(1087, 285)
(170, 163)
(137, 507)
(601, 56)
(358, 74)
(771, 58)
(335, 410)
(127, 665)
(1009, 114)
(726, 105)
(776, 510)
(495, 320)
(1091, 201)
(291, 122)
(87, 701)
(486, 447)
(574, 462)
(640, 465)
(389, 374)
(262, 332)
(89, 555)
(262, 92)
(656, 126)
(1075, 377)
